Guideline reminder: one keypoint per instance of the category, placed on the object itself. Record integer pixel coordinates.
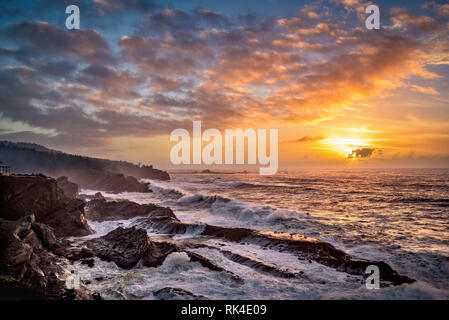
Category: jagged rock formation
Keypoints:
(176, 294)
(27, 257)
(34, 214)
(163, 220)
(127, 246)
(41, 196)
(70, 189)
(107, 181)
(96, 196)
(102, 210)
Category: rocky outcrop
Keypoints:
(157, 252)
(26, 257)
(41, 196)
(86, 197)
(176, 294)
(145, 172)
(125, 247)
(70, 189)
(305, 248)
(102, 210)
(23, 195)
(163, 220)
(107, 181)
(260, 265)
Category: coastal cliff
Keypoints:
(32, 158)
(35, 216)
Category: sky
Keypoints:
(339, 94)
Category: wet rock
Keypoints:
(127, 246)
(75, 253)
(96, 196)
(176, 294)
(70, 220)
(102, 210)
(107, 181)
(24, 256)
(47, 236)
(231, 234)
(89, 262)
(124, 246)
(357, 266)
(157, 252)
(206, 263)
(259, 265)
(70, 189)
(24, 195)
(304, 247)
(15, 252)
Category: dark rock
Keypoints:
(96, 196)
(357, 266)
(24, 195)
(176, 294)
(15, 252)
(123, 246)
(127, 246)
(102, 210)
(11, 289)
(231, 234)
(75, 253)
(69, 221)
(305, 247)
(70, 189)
(259, 265)
(25, 258)
(47, 236)
(89, 262)
(157, 252)
(107, 181)
(206, 263)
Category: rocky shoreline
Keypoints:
(40, 216)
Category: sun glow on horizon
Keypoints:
(345, 146)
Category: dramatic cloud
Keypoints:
(44, 38)
(361, 153)
(158, 68)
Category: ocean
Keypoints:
(400, 216)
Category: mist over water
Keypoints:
(397, 216)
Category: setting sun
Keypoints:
(345, 146)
